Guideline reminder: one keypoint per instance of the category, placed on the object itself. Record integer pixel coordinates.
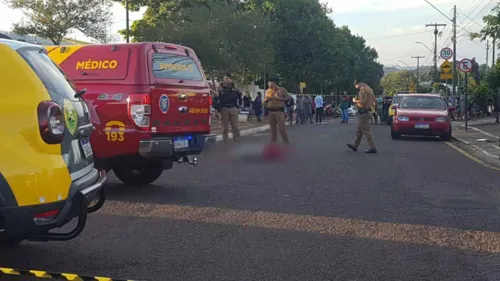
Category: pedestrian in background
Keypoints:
(344, 108)
(257, 106)
(319, 106)
(247, 105)
(275, 100)
(379, 108)
(364, 102)
(290, 104)
(374, 111)
(230, 101)
(386, 104)
(308, 108)
(299, 118)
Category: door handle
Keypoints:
(182, 97)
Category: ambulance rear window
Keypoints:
(176, 67)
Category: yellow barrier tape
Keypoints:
(54, 275)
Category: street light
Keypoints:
(418, 42)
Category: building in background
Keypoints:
(38, 40)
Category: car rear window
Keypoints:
(176, 67)
(420, 102)
(49, 73)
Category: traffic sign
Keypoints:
(412, 88)
(446, 53)
(446, 76)
(446, 67)
(465, 65)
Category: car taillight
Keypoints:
(51, 122)
(210, 101)
(139, 109)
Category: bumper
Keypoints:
(163, 147)
(435, 129)
(28, 221)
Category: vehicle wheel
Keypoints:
(447, 137)
(134, 174)
(395, 135)
(8, 241)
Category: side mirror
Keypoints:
(80, 93)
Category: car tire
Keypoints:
(447, 137)
(145, 174)
(8, 241)
(395, 135)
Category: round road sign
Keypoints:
(465, 65)
(446, 53)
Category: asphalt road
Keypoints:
(418, 210)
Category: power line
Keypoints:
(401, 35)
(487, 4)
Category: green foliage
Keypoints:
(491, 27)
(293, 40)
(398, 81)
(481, 95)
(53, 19)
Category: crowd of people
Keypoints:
(277, 106)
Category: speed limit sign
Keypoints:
(446, 53)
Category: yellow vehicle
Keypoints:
(47, 174)
(394, 105)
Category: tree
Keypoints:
(54, 19)
(292, 40)
(491, 28)
(226, 37)
(398, 81)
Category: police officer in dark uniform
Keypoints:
(230, 101)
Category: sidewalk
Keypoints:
(482, 137)
(246, 128)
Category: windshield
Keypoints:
(420, 102)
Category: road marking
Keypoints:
(466, 154)
(470, 240)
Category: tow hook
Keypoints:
(188, 159)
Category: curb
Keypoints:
(246, 132)
(250, 131)
(484, 151)
(460, 140)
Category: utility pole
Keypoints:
(418, 67)
(493, 48)
(454, 73)
(487, 53)
(436, 25)
(127, 32)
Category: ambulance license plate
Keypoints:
(87, 148)
(180, 144)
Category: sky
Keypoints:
(392, 27)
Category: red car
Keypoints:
(422, 115)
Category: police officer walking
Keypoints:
(364, 102)
(230, 101)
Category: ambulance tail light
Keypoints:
(139, 109)
(51, 122)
